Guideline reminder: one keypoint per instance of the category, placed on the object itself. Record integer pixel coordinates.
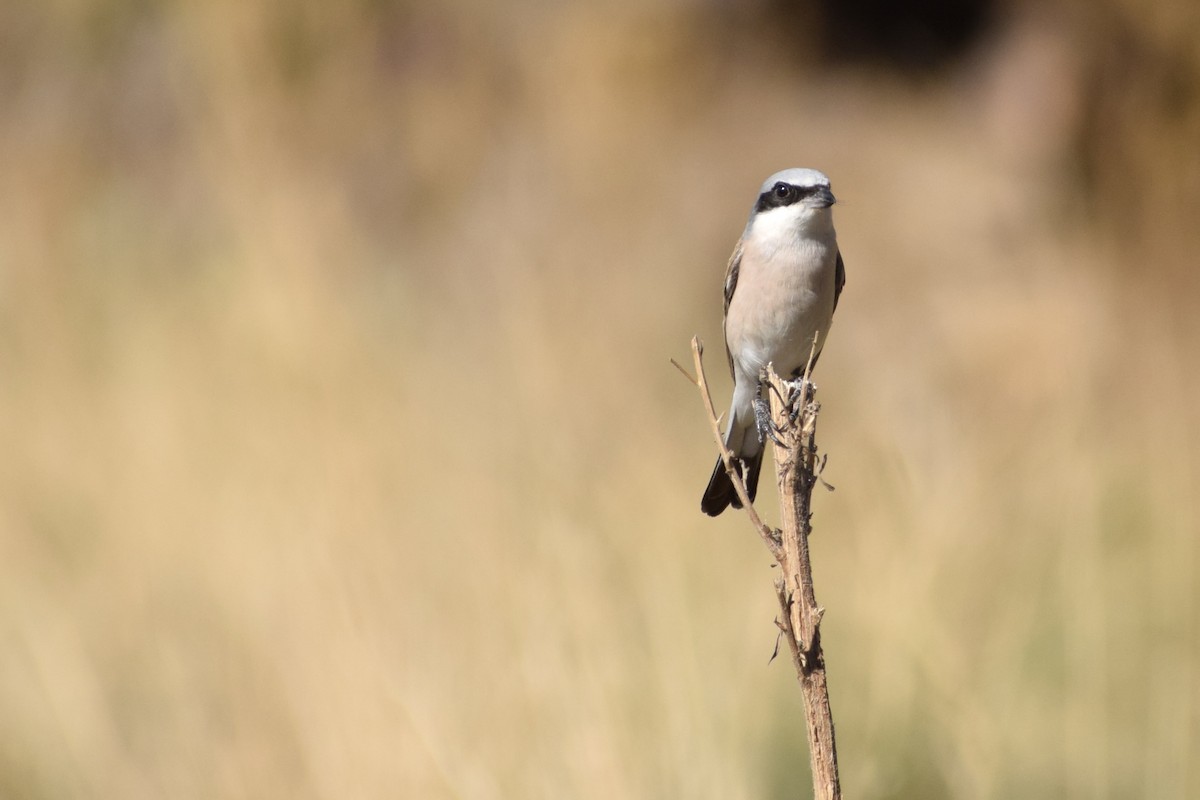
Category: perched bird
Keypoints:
(781, 288)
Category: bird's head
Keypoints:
(795, 200)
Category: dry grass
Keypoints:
(344, 458)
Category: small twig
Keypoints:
(829, 487)
(812, 357)
(769, 536)
(686, 374)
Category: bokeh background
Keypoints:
(343, 458)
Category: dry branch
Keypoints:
(794, 415)
(770, 537)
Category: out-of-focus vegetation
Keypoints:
(343, 458)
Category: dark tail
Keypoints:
(720, 493)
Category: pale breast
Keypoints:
(782, 300)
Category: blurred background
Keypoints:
(343, 457)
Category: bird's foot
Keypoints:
(762, 421)
(800, 389)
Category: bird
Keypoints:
(782, 285)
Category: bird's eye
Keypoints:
(783, 191)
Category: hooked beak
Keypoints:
(824, 197)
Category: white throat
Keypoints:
(791, 226)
